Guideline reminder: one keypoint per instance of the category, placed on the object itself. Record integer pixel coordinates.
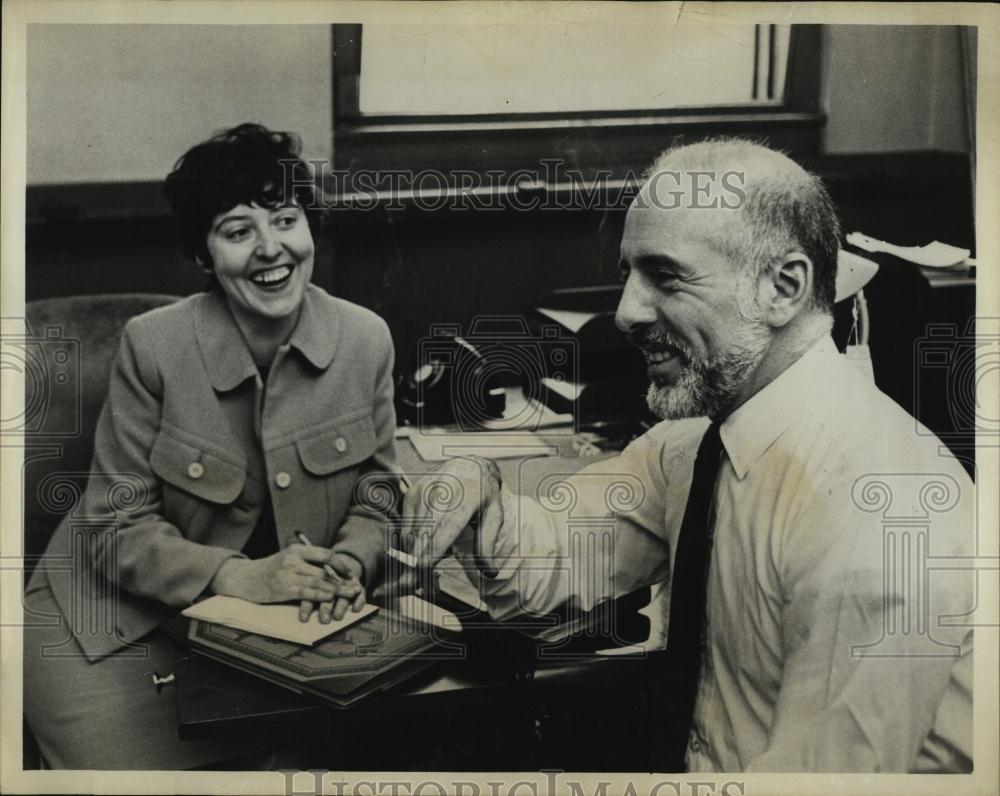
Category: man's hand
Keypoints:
(295, 573)
(462, 492)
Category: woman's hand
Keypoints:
(295, 573)
(350, 593)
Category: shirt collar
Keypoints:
(756, 424)
(226, 355)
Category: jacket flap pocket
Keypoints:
(345, 446)
(202, 474)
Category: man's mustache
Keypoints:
(659, 339)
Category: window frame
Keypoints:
(621, 141)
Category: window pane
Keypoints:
(519, 68)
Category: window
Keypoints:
(602, 100)
(437, 70)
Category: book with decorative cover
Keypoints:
(377, 652)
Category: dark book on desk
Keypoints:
(378, 652)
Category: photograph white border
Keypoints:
(18, 13)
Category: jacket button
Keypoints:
(340, 444)
(196, 470)
(283, 480)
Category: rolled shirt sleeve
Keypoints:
(580, 540)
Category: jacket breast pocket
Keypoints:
(343, 446)
(335, 455)
(193, 478)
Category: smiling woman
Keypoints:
(250, 412)
(250, 235)
(263, 259)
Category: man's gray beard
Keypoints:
(709, 386)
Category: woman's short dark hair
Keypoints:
(248, 164)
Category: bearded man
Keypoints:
(802, 637)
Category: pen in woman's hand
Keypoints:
(331, 573)
(350, 591)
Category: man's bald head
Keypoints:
(775, 206)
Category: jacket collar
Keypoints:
(801, 389)
(318, 329)
(226, 355)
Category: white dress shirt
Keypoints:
(835, 632)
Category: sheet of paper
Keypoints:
(433, 447)
(521, 414)
(934, 255)
(574, 320)
(570, 390)
(853, 273)
(526, 414)
(276, 621)
(454, 582)
(420, 610)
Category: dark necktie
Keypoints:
(688, 584)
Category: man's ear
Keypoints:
(791, 283)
